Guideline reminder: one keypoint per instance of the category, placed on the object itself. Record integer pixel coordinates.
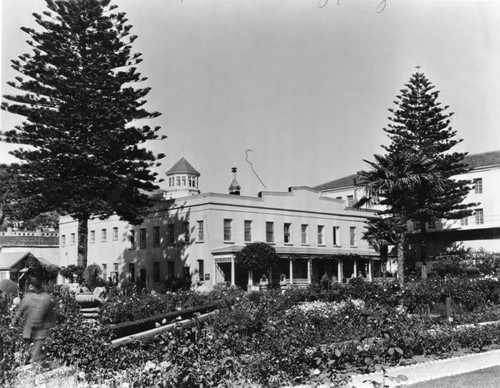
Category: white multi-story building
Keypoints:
(481, 230)
(196, 235)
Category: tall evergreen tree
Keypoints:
(86, 154)
(420, 126)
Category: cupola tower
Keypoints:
(182, 180)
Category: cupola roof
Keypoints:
(182, 167)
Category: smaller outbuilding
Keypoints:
(17, 266)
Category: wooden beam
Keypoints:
(149, 333)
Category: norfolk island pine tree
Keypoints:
(85, 157)
(420, 127)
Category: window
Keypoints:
(156, 272)
(248, 231)
(142, 238)
(336, 235)
(201, 270)
(92, 236)
(338, 197)
(131, 272)
(156, 236)
(170, 269)
(63, 240)
(416, 225)
(185, 231)
(132, 239)
(115, 233)
(170, 234)
(321, 236)
(201, 232)
(303, 234)
(115, 265)
(105, 271)
(352, 236)
(350, 200)
(479, 216)
(431, 225)
(178, 181)
(104, 235)
(227, 229)
(286, 233)
(270, 232)
(464, 221)
(478, 185)
(73, 239)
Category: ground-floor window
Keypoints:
(156, 272)
(201, 270)
(131, 272)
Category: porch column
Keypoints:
(291, 271)
(370, 269)
(250, 278)
(340, 270)
(355, 270)
(309, 271)
(214, 274)
(233, 279)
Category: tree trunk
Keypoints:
(82, 242)
(423, 249)
(401, 247)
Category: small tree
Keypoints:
(71, 270)
(257, 256)
(92, 276)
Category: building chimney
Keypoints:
(235, 187)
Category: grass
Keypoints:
(482, 378)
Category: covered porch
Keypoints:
(300, 266)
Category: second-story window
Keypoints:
(115, 233)
(104, 235)
(350, 200)
(336, 235)
(464, 221)
(352, 236)
(73, 238)
(321, 235)
(142, 238)
(92, 236)
(479, 215)
(478, 185)
(287, 233)
(185, 231)
(201, 232)
(63, 240)
(304, 235)
(248, 230)
(270, 232)
(228, 229)
(156, 236)
(131, 238)
(171, 234)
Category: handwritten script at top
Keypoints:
(380, 7)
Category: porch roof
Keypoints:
(9, 260)
(310, 252)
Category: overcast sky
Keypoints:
(306, 88)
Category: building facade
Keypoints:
(198, 235)
(479, 231)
